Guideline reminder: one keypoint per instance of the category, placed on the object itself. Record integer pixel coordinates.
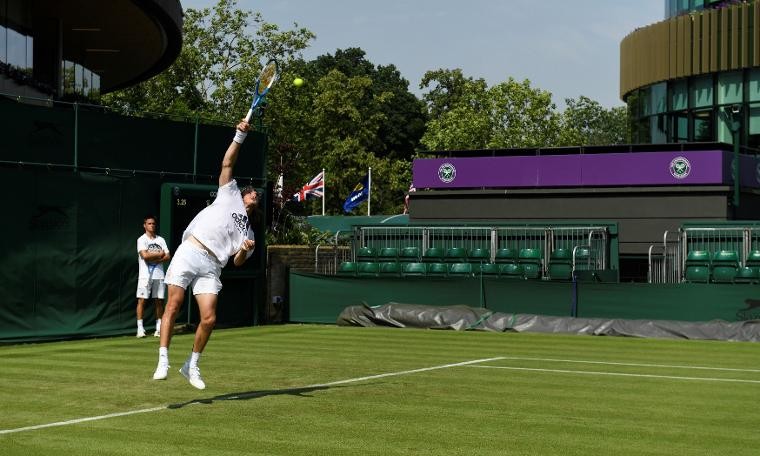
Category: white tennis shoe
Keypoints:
(157, 333)
(193, 375)
(162, 371)
(140, 333)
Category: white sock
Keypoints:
(139, 324)
(163, 355)
(194, 358)
(158, 324)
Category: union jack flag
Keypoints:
(314, 189)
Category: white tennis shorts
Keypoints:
(194, 266)
(150, 288)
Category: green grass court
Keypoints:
(325, 390)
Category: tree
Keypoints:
(466, 114)
(220, 59)
(587, 123)
(404, 117)
(338, 126)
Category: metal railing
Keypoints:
(666, 260)
(327, 257)
(594, 239)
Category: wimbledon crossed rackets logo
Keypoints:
(680, 167)
(447, 173)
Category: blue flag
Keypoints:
(360, 194)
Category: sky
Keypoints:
(568, 48)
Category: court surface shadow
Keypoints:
(248, 395)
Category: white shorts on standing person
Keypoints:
(220, 231)
(151, 253)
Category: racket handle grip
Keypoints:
(248, 116)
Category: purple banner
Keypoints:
(592, 170)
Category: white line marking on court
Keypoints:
(81, 420)
(414, 371)
(608, 363)
(156, 409)
(621, 374)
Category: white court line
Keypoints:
(156, 409)
(80, 420)
(608, 363)
(621, 374)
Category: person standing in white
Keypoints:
(151, 253)
(219, 231)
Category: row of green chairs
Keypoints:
(397, 269)
(722, 266)
(530, 260)
(450, 255)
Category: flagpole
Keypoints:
(324, 191)
(369, 190)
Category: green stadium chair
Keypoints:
(409, 255)
(506, 255)
(347, 268)
(750, 272)
(489, 269)
(560, 265)
(390, 268)
(455, 255)
(437, 269)
(366, 254)
(433, 255)
(697, 266)
(413, 269)
(367, 269)
(530, 260)
(725, 266)
(460, 269)
(479, 256)
(511, 271)
(387, 254)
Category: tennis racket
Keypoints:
(265, 81)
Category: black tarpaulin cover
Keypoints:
(463, 318)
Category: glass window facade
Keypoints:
(693, 109)
(678, 7)
(17, 61)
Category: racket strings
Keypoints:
(267, 77)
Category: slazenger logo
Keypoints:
(680, 167)
(447, 173)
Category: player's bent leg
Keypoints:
(173, 306)
(207, 308)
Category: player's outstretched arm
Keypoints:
(230, 157)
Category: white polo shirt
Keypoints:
(223, 225)
(152, 270)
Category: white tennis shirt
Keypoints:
(223, 225)
(157, 244)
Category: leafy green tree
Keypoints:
(404, 117)
(587, 123)
(333, 123)
(215, 72)
(467, 114)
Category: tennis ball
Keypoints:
(298, 82)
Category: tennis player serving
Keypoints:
(219, 231)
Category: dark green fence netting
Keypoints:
(76, 183)
(70, 263)
(320, 299)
